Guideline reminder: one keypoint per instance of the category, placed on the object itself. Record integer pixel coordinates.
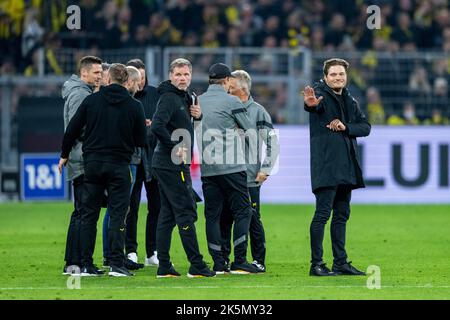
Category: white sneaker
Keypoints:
(133, 257)
(152, 261)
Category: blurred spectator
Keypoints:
(405, 31)
(250, 25)
(317, 38)
(210, 39)
(418, 81)
(266, 8)
(420, 88)
(297, 31)
(336, 32)
(162, 32)
(123, 24)
(140, 37)
(375, 109)
(233, 37)
(184, 15)
(271, 28)
(408, 116)
(436, 119)
(440, 99)
(107, 25)
(7, 67)
(32, 32)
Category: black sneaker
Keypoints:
(243, 268)
(91, 271)
(347, 269)
(320, 270)
(115, 271)
(131, 265)
(167, 272)
(71, 270)
(260, 266)
(204, 272)
(221, 269)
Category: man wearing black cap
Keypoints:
(223, 169)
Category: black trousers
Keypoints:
(153, 208)
(232, 190)
(116, 178)
(73, 245)
(256, 230)
(327, 199)
(178, 207)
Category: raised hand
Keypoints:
(310, 97)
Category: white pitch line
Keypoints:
(231, 287)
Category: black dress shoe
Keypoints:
(347, 269)
(320, 270)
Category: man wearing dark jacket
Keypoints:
(335, 122)
(74, 91)
(114, 125)
(172, 125)
(148, 96)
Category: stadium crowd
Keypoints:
(323, 26)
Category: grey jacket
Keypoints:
(220, 144)
(253, 143)
(74, 91)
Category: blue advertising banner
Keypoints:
(40, 178)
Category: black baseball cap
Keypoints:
(219, 71)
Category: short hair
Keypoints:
(244, 80)
(133, 73)
(137, 63)
(87, 62)
(334, 62)
(217, 81)
(118, 73)
(178, 63)
(105, 66)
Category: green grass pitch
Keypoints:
(410, 244)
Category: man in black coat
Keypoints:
(335, 122)
(148, 96)
(173, 126)
(114, 125)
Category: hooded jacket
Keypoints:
(73, 92)
(334, 155)
(115, 125)
(172, 113)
